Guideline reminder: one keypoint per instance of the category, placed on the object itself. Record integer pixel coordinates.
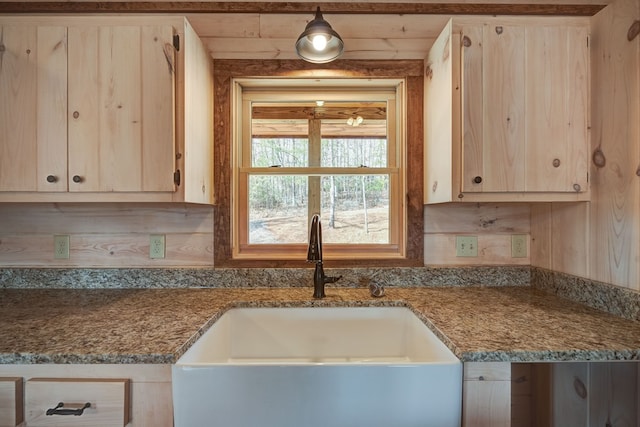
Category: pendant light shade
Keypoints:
(319, 43)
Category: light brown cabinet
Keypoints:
(486, 398)
(507, 111)
(118, 395)
(11, 406)
(97, 109)
(77, 402)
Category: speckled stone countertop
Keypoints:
(158, 325)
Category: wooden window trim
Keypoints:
(226, 70)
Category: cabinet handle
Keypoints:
(77, 179)
(52, 178)
(60, 410)
(477, 179)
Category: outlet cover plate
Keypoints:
(518, 246)
(156, 246)
(61, 246)
(467, 246)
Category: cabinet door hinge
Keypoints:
(176, 177)
(176, 42)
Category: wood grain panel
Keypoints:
(112, 250)
(571, 390)
(482, 218)
(106, 235)
(18, 162)
(472, 107)
(284, 48)
(570, 240)
(109, 399)
(520, 7)
(83, 107)
(440, 249)
(157, 97)
(615, 255)
(541, 233)
(504, 108)
(557, 104)
(614, 394)
(120, 131)
(52, 108)
(11, 401)
(486, 394)
(492, 223)
(441, 92)
(197, 156)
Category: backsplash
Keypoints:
(616, 300)
(612, 299)
(74, 278)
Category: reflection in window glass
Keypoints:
(353, 153)
(280, 152)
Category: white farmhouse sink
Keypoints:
(324, 367)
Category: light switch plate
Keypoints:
(467, 246)
(518, 246)
(156, 246)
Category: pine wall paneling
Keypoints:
(608, 250)
(492, 223)
(105, 235)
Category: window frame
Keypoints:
(412, 70)
(250, 91)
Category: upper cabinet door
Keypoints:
(493, 102)
(557, 108)
(121, 109)
(33, 129)
(524, 108)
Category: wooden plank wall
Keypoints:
(608, 250)
(492, 223)
(105, 235)
(117, 235)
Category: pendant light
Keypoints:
(319, 43)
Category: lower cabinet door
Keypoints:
(77, 402)
(11, 407)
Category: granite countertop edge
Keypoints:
(431, 314)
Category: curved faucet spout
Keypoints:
(314, 254)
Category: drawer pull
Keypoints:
(61, 410)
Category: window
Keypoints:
(332, 147)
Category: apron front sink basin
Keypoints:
(330, 366)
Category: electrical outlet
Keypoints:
(518, 246)
(467, 246)
(156, 246)
(61, 246)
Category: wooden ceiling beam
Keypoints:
(301, 7)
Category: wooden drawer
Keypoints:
(108, 399)
(11, 407)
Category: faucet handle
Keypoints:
(376, 290)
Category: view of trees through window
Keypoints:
(353, 207)
(336, 176)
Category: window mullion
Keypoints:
(315, 158)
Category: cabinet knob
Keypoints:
(76, 114)
(52, 178)
(477, 179)
(577, 188)
(77, 179)
(556, 163)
